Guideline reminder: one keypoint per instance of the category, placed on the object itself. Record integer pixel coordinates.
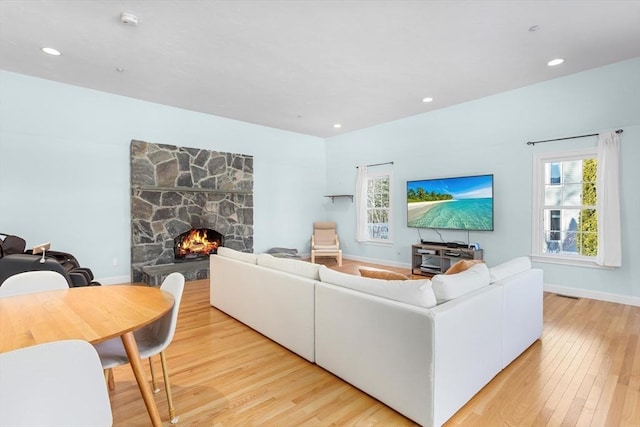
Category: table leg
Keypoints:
(131, 347)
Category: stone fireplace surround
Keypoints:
(174, 189)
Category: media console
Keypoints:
(428, 259)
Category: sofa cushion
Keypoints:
(414, 292)
(462, 265)
(450, 286)
(293, 266)
(375, 273)
(509, 268)
(240, 256)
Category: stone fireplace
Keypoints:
(175, 190)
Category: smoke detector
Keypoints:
(128, 18)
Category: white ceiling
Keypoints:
(305, 65)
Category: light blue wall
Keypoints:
(64, 169)
(489, 136)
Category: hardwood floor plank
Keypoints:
(584, 371)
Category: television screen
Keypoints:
(460, 203)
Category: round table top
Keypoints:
(91, 313)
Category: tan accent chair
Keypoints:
(325, 242)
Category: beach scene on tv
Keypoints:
(464, 203)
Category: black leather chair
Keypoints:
(19, 263)
(14, 259)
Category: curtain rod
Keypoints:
(568, 137)
(377, 164)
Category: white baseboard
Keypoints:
(583, 293)
(117, 280)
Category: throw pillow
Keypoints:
(462, 265)
(382, 274)
(414, 292)
(448, 287)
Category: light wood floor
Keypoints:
(584, 372)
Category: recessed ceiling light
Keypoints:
(337, 126)
(51, 51)
(555, 62)
(534, 28)
(427, 99)
(120, 69)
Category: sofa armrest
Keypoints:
(425, 363)
(383, 347)
(277, 304)
(523, 323)
(468, 343)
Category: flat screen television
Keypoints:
(458, 203)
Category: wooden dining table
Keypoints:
(93, 314)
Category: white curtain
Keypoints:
(608, 194)
(362, 234)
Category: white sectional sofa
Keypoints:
(422, 347)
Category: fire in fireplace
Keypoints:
(197, 243)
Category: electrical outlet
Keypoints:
(115, 262)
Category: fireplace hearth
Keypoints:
(197, 243)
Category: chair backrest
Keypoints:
(165, 327)
(59, 383)
(324, 233)
(33, 281)
(11, 244)
(19, 263)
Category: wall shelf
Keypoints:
(189, 189)
(333, 196)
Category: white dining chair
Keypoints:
(53, 384)
(152, 339)
(32, 281)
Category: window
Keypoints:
(373, 205)
(565, 213)
(378, 207)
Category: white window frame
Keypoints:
(377, 175)
(537, 229)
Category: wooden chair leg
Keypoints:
(108, 377)
(167, 388)
(154, 383)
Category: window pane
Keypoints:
(569, 235)
(572, 171)
(589, 197)
(572, 194)
(554, 224)
(554, 173)
(552, 195)
(589, 230)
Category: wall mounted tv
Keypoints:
(458, 203)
